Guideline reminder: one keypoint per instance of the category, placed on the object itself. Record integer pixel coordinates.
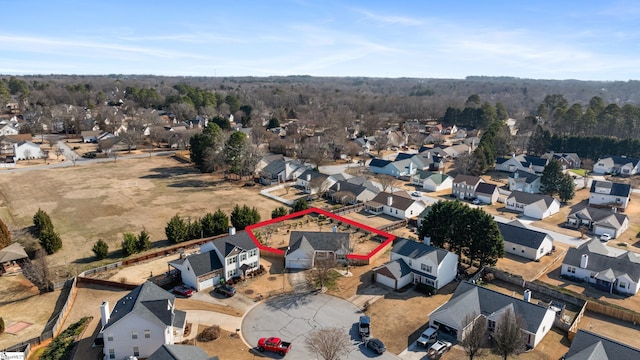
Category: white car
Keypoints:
(605, 237)
(439, 347)
(416, 193)
(476, 202)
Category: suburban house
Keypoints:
(567, 160)
(489, 305)
(90, 136)
(598, 221)
(487, 193)
(414, 262)
(8, 129)
(426, 161)
(219, 260)
(281, 170)
(432, 181)
(522, 241)
(24, 150)
(537, 206)
(398, 204)
(521, 162)
(312, 182)
(345, 192)
(180, 352)
(140, 323)
(587, 345)
(608, 269)
(464, 186)
(11, 257)
(422, 216)
(307, 247)
(362, 180)
(454, 151)
(524, 181)
(609, 194)
(620, 165)
(397, 168)
(366, 143)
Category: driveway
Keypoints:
(294, 316)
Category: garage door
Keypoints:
(209, 283)
(297, 263)
(386, 281)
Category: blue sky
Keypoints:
(585, 40)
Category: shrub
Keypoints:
(1, 325)
(129, 246)
(101, 249)
(209, 334)
(60, 346)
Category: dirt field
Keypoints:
(529, 269)
(371, 220)
(102, 201)
(16, 287)
(625, 332)
(35, 310)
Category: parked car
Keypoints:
(183, 291)
(364, 326)
(438, 348)
(226, 290)
(605, 237)
(416, 193)
(476, 202)
(275, 345)
(428, 336)
(375, 345)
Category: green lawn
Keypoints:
(581, 172)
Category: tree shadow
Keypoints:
(290, 301)
(169, 172)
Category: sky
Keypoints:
(542, 39)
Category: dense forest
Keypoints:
(552, 113)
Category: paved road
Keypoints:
(292, 317)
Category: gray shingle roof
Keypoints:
(470, 298)
(180, 352)
(527, 198)
(590, 346)
(318, 241)
(623, 160)
(617, 189)
(148, 301)
(12, 252)
(485, 188)
(601, 217)
(467, 179)
(416, 250)
(394, 270)
(524, 176)
(275, 167)
(399, 199)
(348, 187)
(380, 163)
(516, 233)
(203, 263)
(240, 240)
(601, 261)
(314, 174)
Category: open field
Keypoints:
(104, 200)
(35, 310)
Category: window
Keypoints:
(491, 325)
(147, 334)
(425, 267)
(112, 353)
(571, 269)
(253, 252)
(541, 250)
(110, 337)
(231, 260)
(134, 334)
(622, 285)
(243, 256)
(136, 351)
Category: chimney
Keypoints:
(338, 186)
(527, 295)
(427, 240)
(232, 230)
(104, 313)
(308, 177)
(429, 155)
(389, 200)
(584, 260)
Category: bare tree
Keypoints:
(381, 143)
(27, 154)
(387, 181)
(329, 343)
(508, 336)
(321, 271)
(73, 157)
(38, 272)
(475, 335)
(58, 151)
(114, 154)
(466, 163)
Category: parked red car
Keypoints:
(183, 291)
(275, 345)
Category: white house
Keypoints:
(90, 136)
(398, 204)
(432, 181)
(524, 181)
(522, 241)
(587, 345)
(489, 305)
(398, 168)
(521, 162)
(567, 160)
(313, 182)
(308, 247)
(25, 150)
(140, 323)
(8, 129)
(180, 352)
(537, 206)
(345, 192)
(598, 221)
(611, 194)
(413, 262)
(487, 193)
(607, 269)
(218, 260)
(464, 186)
(620, 165)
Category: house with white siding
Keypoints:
(489, 306)
(522, 241)
(140, 323)
(219, 261)
(432, 181)
(398, 204)
(598, 221)
(25, 150)
(607, 269)
(587, 345)
(609, 194)
(524, 181)
(464, 186)
(413, 262)
(620, 165)
(537, 206)
(306, 248)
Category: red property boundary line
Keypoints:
(389, 237)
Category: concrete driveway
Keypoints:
(293, 317)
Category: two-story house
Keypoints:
(414, 262)
(489, 306)
(464, 186)
(219, 260)
(567, 160)
(607, 269)
(609, 194)
(398, 204)
(524, 181)
(140, 323)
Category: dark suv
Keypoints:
(226, 290)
